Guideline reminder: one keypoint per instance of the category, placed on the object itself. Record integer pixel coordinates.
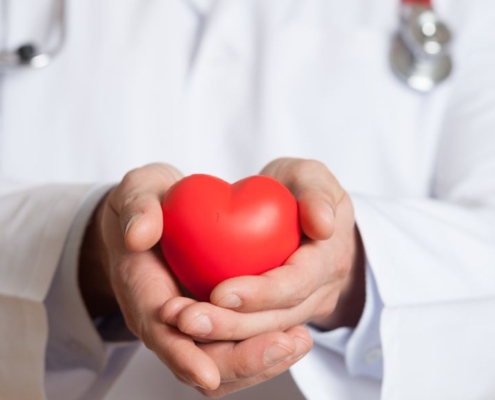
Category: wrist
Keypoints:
(94, 282)
(350, 304)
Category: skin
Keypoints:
(253, 328)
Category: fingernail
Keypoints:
(201, 386)
(275, 354)
(131, 221)
(198, 383)
(301, 348)
(200, 326)
(193, 381)
(230, 301)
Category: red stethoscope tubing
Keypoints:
(417, 2)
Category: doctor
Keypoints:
(226, 87)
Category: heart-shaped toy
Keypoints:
(213, 231)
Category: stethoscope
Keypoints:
(419, 54)
(32, 55)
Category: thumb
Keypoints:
(316, 214)
(137, 203)
(144, 223)
(316, 189)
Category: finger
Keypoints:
(257, 359)
(184, 358)
(256, 355)
(209, 322)
(316, 214)
(170, 311)
(137, 203)
(316, 189)
(169, 314)
(142, 285)
(304, 273)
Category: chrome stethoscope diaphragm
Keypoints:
(419, 55)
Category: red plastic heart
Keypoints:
(213, 231)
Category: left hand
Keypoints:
(119, 263)
(321, 283)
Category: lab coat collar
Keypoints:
(202, 7)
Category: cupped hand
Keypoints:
(120, 261)
(123, 237)
(321, 283)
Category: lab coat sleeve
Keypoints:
(34, 224)
(434, 258)
(73, 344)
(84, 357)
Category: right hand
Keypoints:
(121, 260)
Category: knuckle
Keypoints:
(314, 165)
(317, 181)
(160, 172)
(326, 307)
(275, 165)
(299, 174)
(305, 286)
(309, 167)
(285, 322)
(164, 170)
(131, 178)
(230, 331)
(294, 301)
(292, 296)
(241, 369)
(343, 268)
(301, 294)
(287, 293)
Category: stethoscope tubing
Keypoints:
(411, 57)
(29, 55)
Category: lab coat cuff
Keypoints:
(363, 355)
(360, 347)
(73, 340)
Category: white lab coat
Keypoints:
(223, 87)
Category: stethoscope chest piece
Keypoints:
(419, 53)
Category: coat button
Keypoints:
(373, 356)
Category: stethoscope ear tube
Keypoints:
(419, 54)
(29, 55)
